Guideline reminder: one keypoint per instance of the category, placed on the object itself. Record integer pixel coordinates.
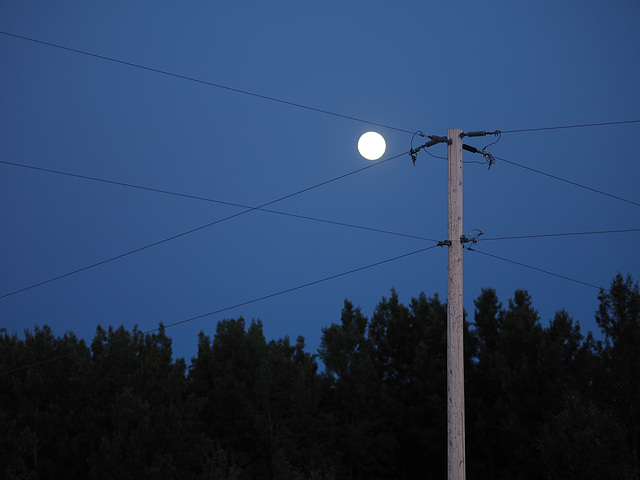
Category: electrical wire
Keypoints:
(303, 217)
(584, 125)
(237, 305)
(220, 202)
(493, 143)
(536, 269)
(278, 100)
(315, 282)
(326, 279)
(436, 156)
(204, 82)
(202, 227)
(544, 235)
(568, 181)
(261, 208)
(479, 162)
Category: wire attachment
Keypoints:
(413, 152)
(471, 238)
(434, 139)
(479, 134)
(490, 158)
(444, 243)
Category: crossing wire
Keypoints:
(212, 200)
(279, 100)
(205, 82)
(250, 208)
(202, 227)
(237, 305)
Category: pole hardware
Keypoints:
(413, 152)
(472, 239)
(479, 134)
(487, 155)
(435, 139)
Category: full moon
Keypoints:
(371, 145)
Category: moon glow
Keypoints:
(371, 145)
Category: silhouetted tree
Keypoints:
(506, 388)
(541, 402)
(410, 352)
(149, 425)
(353, 396)
(388, 385)
(41, 406)
(261, 401)
(618, 317)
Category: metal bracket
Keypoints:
(472, 239)
(436, 139)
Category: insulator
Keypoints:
(469, 148)
(438, 137)
(481, 134)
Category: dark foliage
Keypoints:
(541, 401)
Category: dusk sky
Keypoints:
(245, 103)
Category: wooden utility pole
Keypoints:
(455, 326)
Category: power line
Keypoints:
(570, 126)
(294, 104)
(520, 237)
(536, 269)
(202, 227)
(121, 184)
(326, 279)
(568, 181)
(278, 100)
(221, 202)
(204, 82)
(315, 282)
(302, 217)
(241, 304)
(252, 208)
(42, 362)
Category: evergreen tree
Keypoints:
(388, 386)
(147, 424)
(575, 426)
(353, 397)
(541, 402)
(43, 431)
(261, 401)
(618, 317)
(410, 346)
(506, 388)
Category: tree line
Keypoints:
(541, 401)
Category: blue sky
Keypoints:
(407, 65)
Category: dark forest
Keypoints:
(547, 402)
